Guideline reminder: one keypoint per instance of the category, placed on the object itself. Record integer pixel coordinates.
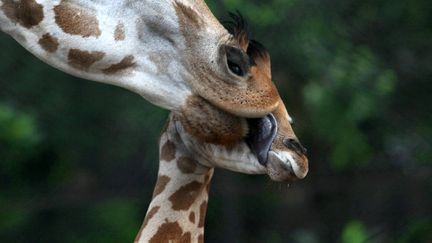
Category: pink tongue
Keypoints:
(262, 132)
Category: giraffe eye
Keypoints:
(237, 61)
(236, 69)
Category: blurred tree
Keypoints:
(354, 232)
(77, 159)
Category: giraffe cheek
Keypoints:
(208, 124)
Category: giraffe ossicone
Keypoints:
(226, 111)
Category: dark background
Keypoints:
(78, 160)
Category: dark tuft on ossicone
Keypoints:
(238, 27)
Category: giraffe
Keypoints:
(225, 110)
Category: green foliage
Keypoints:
(12, 217)
(351, 90)
(18, 137)
(117, 219)
(418, 232)
(261, 14)
(354, 232)
(17, 129)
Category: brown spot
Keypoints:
(192, 217)
(124, 64)
(76, 20)
(49, 43)
(27, 13)
(161, 183)
(186, 165)
(203, 209)
(170, 232)
(119, 33)
(168, 151)
(201, 238)
(148, 217)
(184, 197)
(83, 59)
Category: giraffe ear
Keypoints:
(135, 44)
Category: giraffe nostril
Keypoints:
(295, 145)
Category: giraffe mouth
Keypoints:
(262, 132)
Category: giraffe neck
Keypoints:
(177, 210)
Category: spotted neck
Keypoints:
(139, 45)
(177, 210)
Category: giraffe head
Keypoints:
(254, 135)
(234, 117)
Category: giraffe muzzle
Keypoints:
(287, 164)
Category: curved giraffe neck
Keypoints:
(177, 210)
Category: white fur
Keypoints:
(288, 159)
